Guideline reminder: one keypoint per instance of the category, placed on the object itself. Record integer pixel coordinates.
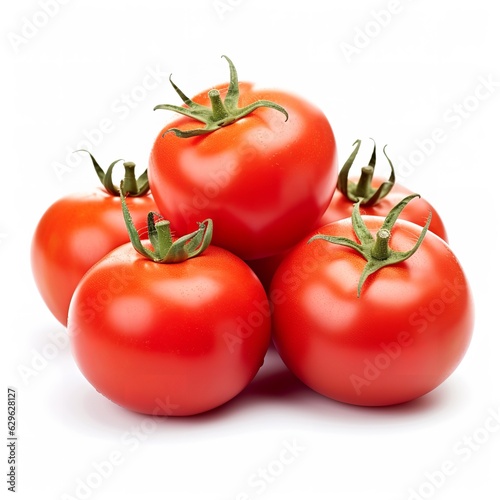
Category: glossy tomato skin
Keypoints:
(404, 335)
(264, 181)
(73, 234)
(169, 339)
(417, 211)
(341, 207)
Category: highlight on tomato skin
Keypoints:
(79, 229)
(377, 196)
(268, 174)
(192, 334)
(169, 325)
(394, 339)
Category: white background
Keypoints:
(403, 72)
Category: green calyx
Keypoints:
(165, 249)
(362, 191)
(376, 251)
(220, 113)
(132, 185)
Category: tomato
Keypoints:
(376, 195)
(341, 204)
(341, 207)
(73, 234)
(175, 338)
(270, 174)
(368, 333)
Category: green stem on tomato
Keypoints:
(363, 191)
(133, 186)
(220, 113)
(380, 249)
(129, 179)
(163, 237)
(164, 249)
(363, 187)
(376, 251)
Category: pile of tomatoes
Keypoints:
(243, 234)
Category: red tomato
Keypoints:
(346, 194)
(264, 180)
(169, 339)
(344, 198)
(401, 338)
(72, 235)
(341, 207)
